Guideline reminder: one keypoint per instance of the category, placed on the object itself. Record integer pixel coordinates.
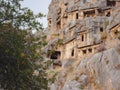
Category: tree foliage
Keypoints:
(21, 60)
(11, 11)
(19, 53)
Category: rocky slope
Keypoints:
(100, 71)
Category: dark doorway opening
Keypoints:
(111, 3)
(55, 55)
(90, 50)
(82, 37)
(72, 53)
(84, 51)
(89, 13)
(101, 29)
(77, 16)
(108, 14)
(59, 25)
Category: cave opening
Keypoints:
(55, 55)
(111, 3)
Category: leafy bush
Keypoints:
(20, 50)
(17, 61)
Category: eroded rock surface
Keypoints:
(84, 35)
(100, 72)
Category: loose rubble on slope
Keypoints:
(84, 43)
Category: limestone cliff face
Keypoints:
(84, 42)
(100, 72)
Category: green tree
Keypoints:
(11, 11)
(21, 60)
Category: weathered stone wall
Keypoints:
(83, 21)
(100, 72)
(86, 33)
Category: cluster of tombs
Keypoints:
(79, 31)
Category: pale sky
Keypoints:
(38, 6)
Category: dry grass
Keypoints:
(104, 36)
